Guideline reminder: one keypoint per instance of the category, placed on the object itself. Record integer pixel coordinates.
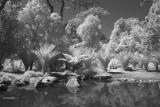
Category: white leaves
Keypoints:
(129, 35)
(89, 27)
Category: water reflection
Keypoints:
(92, 94)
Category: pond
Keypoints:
(92, 94)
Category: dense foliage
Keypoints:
(36, 26)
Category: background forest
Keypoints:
(35, 32)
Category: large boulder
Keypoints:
(30, 74)
(151, 67)
(46, 81)
(73, 82)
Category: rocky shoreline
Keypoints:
(71, 80)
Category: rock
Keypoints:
(49, 80)
(29, 74)
(114, 64)
(46, 81)
(102, 76)
(5, 81)
(130, 67)
(3, 87)
(19, 82)
(73, 83)
(151, 67)
(34, 80)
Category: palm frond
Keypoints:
(45, 54)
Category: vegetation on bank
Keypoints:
(36, 35)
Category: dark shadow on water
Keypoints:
(92, 94)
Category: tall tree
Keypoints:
(73, 24)
(40, 25)
(152, 24)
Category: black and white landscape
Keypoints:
(79, 53)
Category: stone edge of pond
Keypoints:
(11, 79)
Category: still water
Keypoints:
(92, 94)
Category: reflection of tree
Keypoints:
(92, 94)
(124, 95)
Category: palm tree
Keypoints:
(45, 54)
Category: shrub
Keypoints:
(13, 65)
(127, 58)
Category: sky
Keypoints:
(118, 9)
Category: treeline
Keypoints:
(34, 27)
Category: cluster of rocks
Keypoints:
(39, 80)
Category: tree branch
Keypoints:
(62, 8)
(3, 3)
(50, 6)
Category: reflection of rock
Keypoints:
(73, 82)
(151, 67)
(3, 87)
(73, 90)
(46, 81)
